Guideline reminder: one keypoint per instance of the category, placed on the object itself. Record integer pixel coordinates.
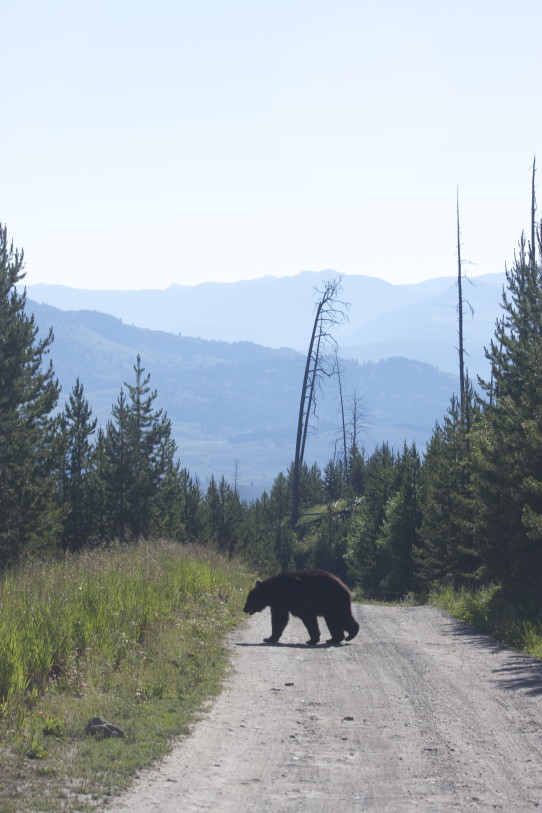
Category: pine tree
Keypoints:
(118, 471)
(397, 536)
(234, 511)
(78, 427)
(99, 492)
(223, 516)
(213, 515)
(167, 521)
(446, 546)
(190, 507)
(151, 453)
(258, 547)
(314, 494)
(333, 480)
(330, 543)
(139, 464)
(280, 498)
(304, 488)
(29, 518)
(356, 473)
(508, 439)
(365, 556)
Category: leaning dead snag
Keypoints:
(329, 313)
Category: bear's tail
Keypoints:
(353, 629)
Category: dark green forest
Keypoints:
(466, 510)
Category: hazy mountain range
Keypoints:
(236, 404)
(232, 389)
(417, 321)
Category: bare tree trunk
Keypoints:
(533, 217)
(327, 316)
(311, 398)
(460, 317)
(343, 421)
(307, 393)
(356, 423)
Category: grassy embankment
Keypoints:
(489, 610)
(133, 635)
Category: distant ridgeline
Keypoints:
(416, 321)
(233, 406)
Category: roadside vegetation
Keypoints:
(490, 610)
(94, 624)
(133, 635)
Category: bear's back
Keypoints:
(315, 589)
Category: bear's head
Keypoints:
(256, 599)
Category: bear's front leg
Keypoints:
(279, 619)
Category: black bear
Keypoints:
(306, 594)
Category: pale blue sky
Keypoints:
(145, 144)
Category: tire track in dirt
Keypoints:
(418, 713)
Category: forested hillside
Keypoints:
(236, 403)
(468, 509)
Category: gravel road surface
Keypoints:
(418, 713)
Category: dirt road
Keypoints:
(418, 713)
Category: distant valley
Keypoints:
(234, 405)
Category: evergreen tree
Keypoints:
(99, 492)
(283, 537)
(118, 471)
(314, 494)
(224, 534)
(77, 429)
(332, 486)
(398, 531)
(139, 465)
(365, 555)
(190, 507)
(508, 439)
(280, 498)
(284, 544)
(167, 520)
(304, 488)
(223, 516)
(446, 541)
(356, 473)
(29, 516)
(152, 452)
(330, 543)
(258, 547)
(213, 515)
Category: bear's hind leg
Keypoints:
(335, 630)
(352, 628)
(279, 619)
(311, 622)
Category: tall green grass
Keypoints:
(490, 609)
(98, 605)
(133, 634)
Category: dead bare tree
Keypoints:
(341, 404)
(460, 315)
(330, 311)
(532, 252)
(461, 302)
(358, 418)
